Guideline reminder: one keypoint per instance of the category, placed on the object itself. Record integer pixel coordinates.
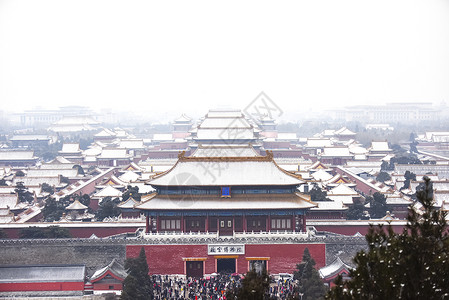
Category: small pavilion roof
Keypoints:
(76, 205)
(129, 203)
(334, 268)
(342, 189)
(129, 176)
(114, 268)
(322, 175)
(344, 131)
(108, 191)
(183, 118)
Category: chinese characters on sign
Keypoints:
(232, 249)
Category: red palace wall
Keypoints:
(168, 259)
(41, 286)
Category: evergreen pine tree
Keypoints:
(378, 205)
(310, 284)
(137, 285)
(410, 265)
(254, 286)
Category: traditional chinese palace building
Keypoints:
(225, 197)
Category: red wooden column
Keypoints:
(157, 223)
(269, 223)
(182, 223)
(147, 224)
(206, 225)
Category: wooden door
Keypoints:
(226, 226)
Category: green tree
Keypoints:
(378, 205)
(48, 188)
(409, 176)
(52, 210)
(254, 286)
(356, 211)
(108, 208)
(413, 264)
(79, 168)
(131, 191)
(51, 232)
(317, 194)
(310, 284)
(137, 285)
(383, 176)
(23, 193)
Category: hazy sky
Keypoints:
(190, 56)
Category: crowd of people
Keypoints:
(213, 287)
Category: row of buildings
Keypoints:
(223, 195)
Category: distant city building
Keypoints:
(391, 112)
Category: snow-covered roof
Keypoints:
(380, 146)
(16, 155)
(224, 113)
(70, 148)
(336, 152)
(195, 171)
(224, 123)
(75, 205)
(334, 268)
(129, 203)
(330, 205)
(356, 149)
(30, 181)
(42, 273)
(162, 137)
(225, 134)
(342, 189)
(108, 191)
(114, 267)
(344, 131)
(215, 202)
(30, 137)
(110, 153)
(129, 176)
(318, 143)
(52, 172)
(132, 144)
(288, 136)
(8, 201)
(225, 151)
(321, 175)
(105, 133)
(183, 119)
(345, 199)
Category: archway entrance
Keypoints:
(226, 265)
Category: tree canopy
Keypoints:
(137, 285)
(310, 284)
(317, 194)
(107, 208)
(254, 286)
(413, 264)
(23, 193)
(50, 232)
(378, 205)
